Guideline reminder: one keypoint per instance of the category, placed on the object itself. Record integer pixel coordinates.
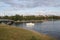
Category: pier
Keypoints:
(6, 21)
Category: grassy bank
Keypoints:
(13, 33)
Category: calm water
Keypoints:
(51, 28)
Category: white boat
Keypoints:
(30, 24)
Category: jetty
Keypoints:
(6, 21)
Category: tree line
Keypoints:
(31, 17)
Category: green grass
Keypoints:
(13, 33)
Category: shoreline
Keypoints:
(33, 21)
(42, 36)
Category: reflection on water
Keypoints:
(51, 28)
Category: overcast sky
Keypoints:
(30, 7)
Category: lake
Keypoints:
(51, 28)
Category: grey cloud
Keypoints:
(32, 3)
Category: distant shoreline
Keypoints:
(33, 21)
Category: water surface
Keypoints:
(51, 28)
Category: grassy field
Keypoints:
(13, 33)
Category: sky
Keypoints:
(29, 7)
